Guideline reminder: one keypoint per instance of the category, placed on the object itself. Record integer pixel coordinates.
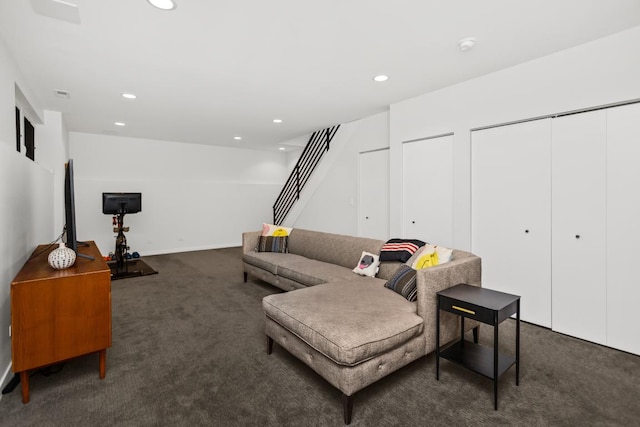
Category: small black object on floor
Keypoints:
(12, 384)
(134, 268)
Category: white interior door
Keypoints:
(511, 213)
(623, 227)
(579, 223)
(373, 194)
(428, 190)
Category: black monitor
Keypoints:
(121, 203)
(70, 207)
(70, 211)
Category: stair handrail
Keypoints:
(318, 144)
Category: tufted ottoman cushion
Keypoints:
(348, 321)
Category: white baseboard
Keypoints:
(191, 249)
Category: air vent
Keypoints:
(62, 93)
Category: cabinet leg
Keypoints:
(24, 381)
(102, 355)
(476, 334)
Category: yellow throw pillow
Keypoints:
(426, 261)
(430, 255)
(275, 230)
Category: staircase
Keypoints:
(318, 144)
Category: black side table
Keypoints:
(486, 306)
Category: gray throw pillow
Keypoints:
(273, 244)
(403, 282)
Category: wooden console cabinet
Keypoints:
(57, 315)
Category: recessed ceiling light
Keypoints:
(129, 96)
(237, 138)
(381, 78)
(119, 124)
(163, 4)
(466, 44)
(282, 148)
(277, 120)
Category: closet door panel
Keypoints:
(623, 227)
(373, 194)
(428, 190)
(578, 223)
(511, 213)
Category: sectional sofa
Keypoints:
(351, 329)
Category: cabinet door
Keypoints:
(428, 190)
(579, 221)
(511, 213)
(623, 227)
(373, 194)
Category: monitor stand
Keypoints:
(78, 254)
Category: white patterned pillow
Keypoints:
(368, 264)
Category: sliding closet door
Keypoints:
(623, 227)
(428, 190)
(511, 213)
(579, 221)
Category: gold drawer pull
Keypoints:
(463, 309)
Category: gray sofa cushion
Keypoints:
(266, 260)
(332, 248)
(388, 269)
(312, 272)
(347, 321)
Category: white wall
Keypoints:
(52, 152)
(601, 72)
(193, 196)
(333, 205)
(27, 193)
(597, 73)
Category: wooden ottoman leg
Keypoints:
(245, 277)
(347, 408)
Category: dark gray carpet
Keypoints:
(188, 349)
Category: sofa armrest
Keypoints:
(440, 277)
(250, 241)
(464, 268)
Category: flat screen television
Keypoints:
(121, 203)
(70, 207)
(70, 211)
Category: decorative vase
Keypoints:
(62, 258)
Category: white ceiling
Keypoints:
(211, 70)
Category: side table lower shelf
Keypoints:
(477, 358)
